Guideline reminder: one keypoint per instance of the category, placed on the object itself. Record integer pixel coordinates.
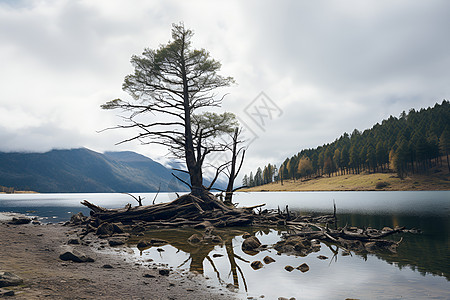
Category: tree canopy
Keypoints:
(171, 87)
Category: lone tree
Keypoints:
(170, 89)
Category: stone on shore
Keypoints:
(9, 279)
(20, 221)
(70, 254)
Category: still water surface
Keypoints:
(420, 269)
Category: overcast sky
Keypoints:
(325, 67)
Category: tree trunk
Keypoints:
(192, 162)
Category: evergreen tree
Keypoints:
(444, 145)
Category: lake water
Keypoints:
(420, 269)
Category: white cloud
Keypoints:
(330, 66)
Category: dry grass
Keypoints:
(436, 179)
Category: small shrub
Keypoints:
(381, 185)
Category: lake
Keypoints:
(420, 269)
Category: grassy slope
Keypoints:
(436, 179)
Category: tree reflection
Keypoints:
(199, 253)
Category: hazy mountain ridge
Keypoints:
(83, 170)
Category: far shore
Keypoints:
(439, 181)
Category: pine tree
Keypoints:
(444, 145)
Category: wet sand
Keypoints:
(32, 252)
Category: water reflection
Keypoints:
(207, 251)
(227, 265)
(426, 252)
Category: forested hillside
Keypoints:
(412, 143)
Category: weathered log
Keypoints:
(186, 207)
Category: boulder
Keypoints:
(164, 272)
(73, 241)
(105, 229)
(303, 267)
(117, 240)
(289, 268)
(74, 255)
(6, 293)
(246, 235)
(20, 221)
(256, 265)
(9, 279)
(251, 244)
(213, 239)
(78, 219)
(117, 228)
(268, 260)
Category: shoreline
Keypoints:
(439, 181)
(31, 251)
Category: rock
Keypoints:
(74, 255)
(303, 267)
(143, 244)
(387, 229)
(289, 268)
(117, 228)
(215, 239)
(246, 235)
(268, 260)
(6, 293)
(117, 241)
(106, 229)
(282, 298)
(164, 272)
(256, 265)
(107, 267)
(217, 255)
(152, 242)
(323, 257)
(78, 219)
(203, 225)
(149, 276)
(251, 244)
(73, 242)
(195, 238)
(160, 249)
(20, 221)
(9, 279)
(295, 245)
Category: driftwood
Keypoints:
(187, 210)
(192, 211)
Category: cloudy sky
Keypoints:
(324, 67)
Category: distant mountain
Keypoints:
(85, 171)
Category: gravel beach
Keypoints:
(31, 251)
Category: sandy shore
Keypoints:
(32, 252)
